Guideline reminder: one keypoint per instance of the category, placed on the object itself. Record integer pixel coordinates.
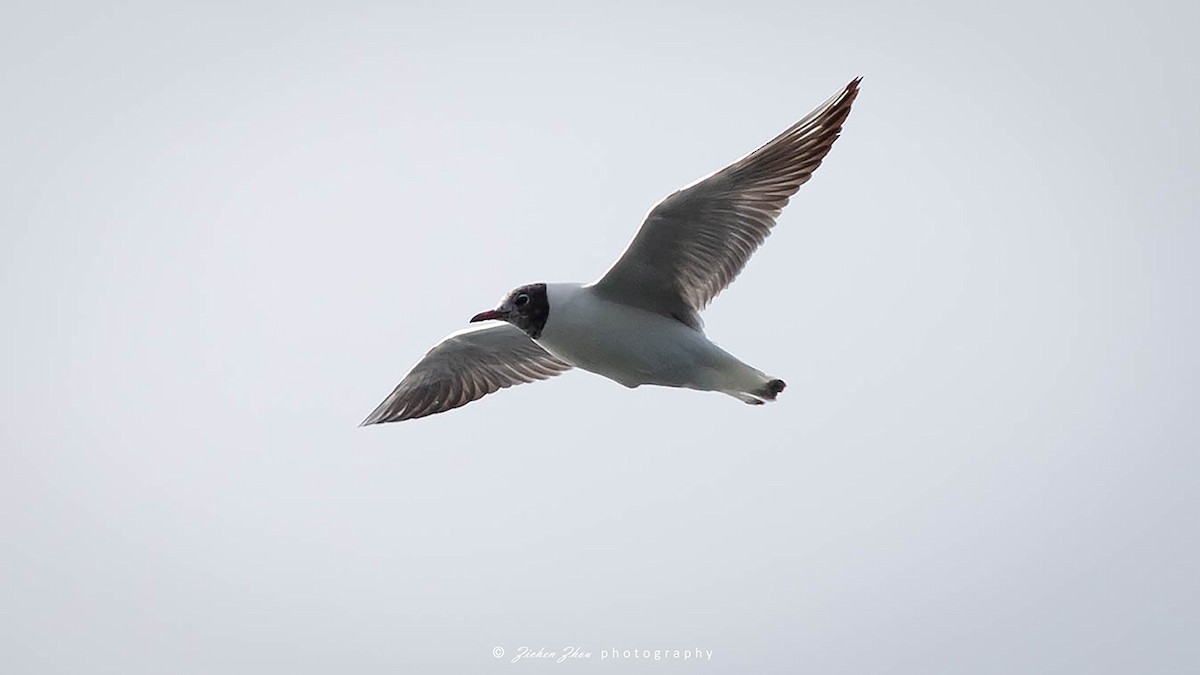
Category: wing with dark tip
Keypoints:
(696, 241)
(464, 367)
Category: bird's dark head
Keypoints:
(526, 307)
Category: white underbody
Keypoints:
(635, 347)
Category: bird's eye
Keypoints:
(521, 300)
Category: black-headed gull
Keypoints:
(639, 323)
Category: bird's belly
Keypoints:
(634, 347)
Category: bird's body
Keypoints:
(639, 323)
(632, 346)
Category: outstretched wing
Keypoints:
(464, 367)
(696, 241)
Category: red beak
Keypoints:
(488, 315)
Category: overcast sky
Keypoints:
(230, 228)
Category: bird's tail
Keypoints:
(760, 395)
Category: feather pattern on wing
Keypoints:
(694, 243)
(464, 367)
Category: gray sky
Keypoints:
(229, 230)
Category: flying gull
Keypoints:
(639, 323)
